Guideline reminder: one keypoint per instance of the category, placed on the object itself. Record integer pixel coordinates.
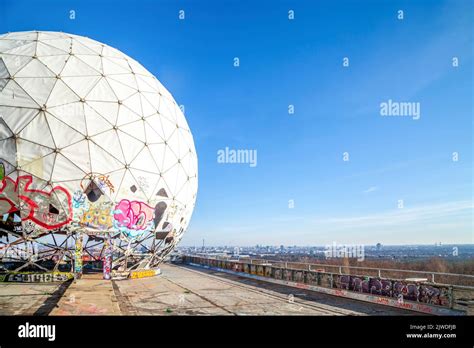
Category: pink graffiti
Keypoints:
(50, 210)
(133, 215)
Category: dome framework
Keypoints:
(97, 161)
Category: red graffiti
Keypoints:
(50, 210)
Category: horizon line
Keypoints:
(309, 245)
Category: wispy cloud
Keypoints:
(371, 189)
(418, 214)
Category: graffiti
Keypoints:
(173, 210)
(78, 255)
(100, 217)
(50, 210)
(78, 200)
(143, 183)
(375, 286)
(119, 275)
(396, 289)
(267, 271)
(142, 274)
(408, 291)
(11, 222)
(2, 171)
(133, 217)
(432, 295)
(95, 215)
(30, 228)
(103, 182)
(107, 259)
(386, 287)
(345, 281)
(298, 276)
(24, 277)
(359, 284)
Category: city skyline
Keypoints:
(437, 244)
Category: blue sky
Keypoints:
(337, 110)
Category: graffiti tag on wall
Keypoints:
(142, 274)
(107, 259)
(98, 217)
(133, 217)
(78, 254)
(23, 277)
(49, 209)
(398, 289)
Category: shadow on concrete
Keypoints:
(52, 301)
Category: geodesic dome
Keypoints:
(94, 154)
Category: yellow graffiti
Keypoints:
(96, 217)
(142, 274)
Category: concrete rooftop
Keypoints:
(180, 290)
